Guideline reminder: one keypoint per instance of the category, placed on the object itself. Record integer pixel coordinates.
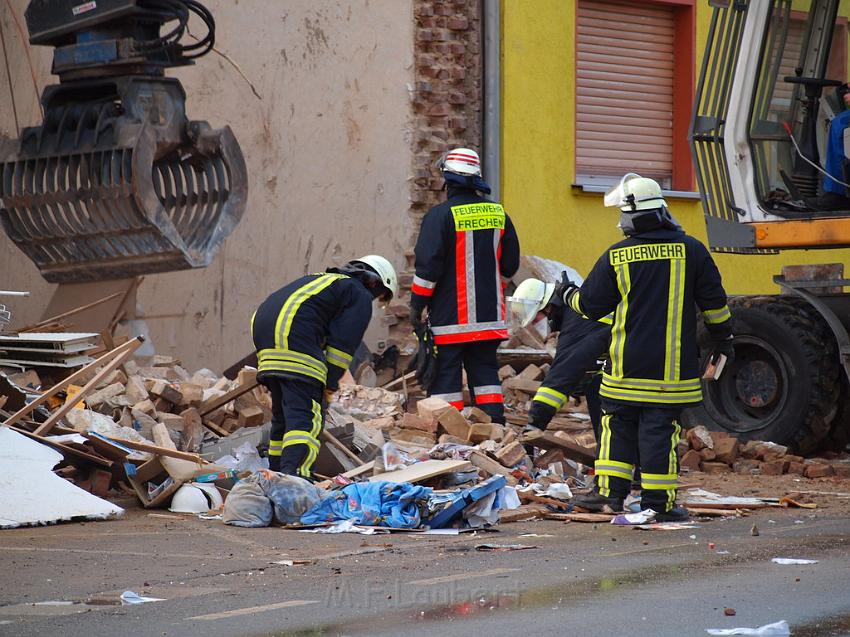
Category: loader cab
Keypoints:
(767, 107)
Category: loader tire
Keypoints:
(784, 383)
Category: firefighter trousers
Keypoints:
(482, 375)
(296, 425)
(644, 436)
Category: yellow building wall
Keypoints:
(553, 218)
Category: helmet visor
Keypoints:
(616, 195)
(522, 311)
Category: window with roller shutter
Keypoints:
(634, 87)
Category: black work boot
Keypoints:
(676, 514)
(598, 503)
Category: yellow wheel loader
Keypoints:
(771, 148)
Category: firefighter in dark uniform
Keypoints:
(582, 346)
(653, 281)
(305, 335)
(466, 252)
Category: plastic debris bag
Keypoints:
(290, 496)
(247, 505)
(779, 629)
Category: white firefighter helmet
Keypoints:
(635, 193)
(385, 270)
(529, 298)
(461, 161)
(195, 497)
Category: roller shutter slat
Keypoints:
(624, 88)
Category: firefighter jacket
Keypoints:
(309, 329)
(654, 281)
(582, 344)
(466, 252)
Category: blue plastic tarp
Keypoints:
(372, 504)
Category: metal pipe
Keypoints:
(11, 293)
(492, 124)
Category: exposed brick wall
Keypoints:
(447, 107)
(447, 111)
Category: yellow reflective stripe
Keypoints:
(283, 366)
(275, 443)
(550, 397)
(299, 437)
(338, 357)
(658, 481)
(602, 482)
(614, 469)
(673, 463)
(667, 398)
(713, 317)
(275, 452)
(293, 303)
(675, 301)
(253, 316)
(689, 384)
(575, 302)
(547, 401)
(317, 421)
(293, 357)
(608, 320)
(618, 331)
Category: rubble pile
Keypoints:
(719, 452)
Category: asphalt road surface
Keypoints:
(579, 579)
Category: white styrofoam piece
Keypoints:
(31, 494)
(50, 337)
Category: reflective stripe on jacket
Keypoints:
(310, 328)
(466, 251)
(654, 281)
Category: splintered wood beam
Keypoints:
(89, 387)
(130, 346)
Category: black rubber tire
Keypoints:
(784, 383)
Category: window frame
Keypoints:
(684, 78)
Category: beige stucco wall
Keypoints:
(327, 149)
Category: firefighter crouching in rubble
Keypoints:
(652, 281)
(305, 335)
(466, 252)
(582, 344)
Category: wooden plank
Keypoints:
(89, 387)
(331, 439)
(130, 345)
(580, 517)
(218, 431)
(354, 473)
(484, 462)
(527, 497)
(214, 403)
(546, 440)
(423, 471)
(399, 380)
(160, 451)
(35, 327)
(524, 512)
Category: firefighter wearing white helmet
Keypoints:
(306, 334)
(582, 345)
(466, 251)
(654, 281)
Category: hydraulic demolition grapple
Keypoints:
(117, 181)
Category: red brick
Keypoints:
(775, 467)
(691, 460)
(414, 421)
(726, 450)
(746, 467)
(715, 467)
(842, 470)
(511, 455)
(439, 109)
(816, 470)
(458, 24)
(425, 35)
(797, 468)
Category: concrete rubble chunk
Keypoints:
(99, 397)
(511, 455)
(135, 389)
(414, 421)
(726, 450)
(700, 438)
(505, 372)
(452, 422)
(531, 372)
